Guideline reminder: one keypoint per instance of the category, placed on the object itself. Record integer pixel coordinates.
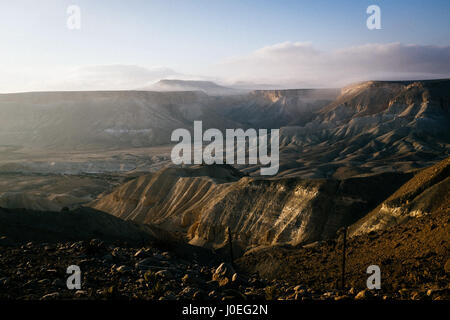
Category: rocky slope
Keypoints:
(413, 258)
(202, 201)
(279, 108)
(372, 127)
(426, 193)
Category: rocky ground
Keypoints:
(414, 259)
(133, 262)
(38, 271)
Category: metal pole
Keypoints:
(344, 247)
(230, 242)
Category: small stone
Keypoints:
(44, 282)
(298, 288)
(51, 296)
(142, 253)
(186, 278)
(123, 269)
(166, 255)
(164, 274)
(188, 291)
(361, 295)
(146, 264)
(415, 295)
(223, 282)
(339, 298)
(198, 295)
(224, 270)
(80, 293)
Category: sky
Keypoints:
(286, 43)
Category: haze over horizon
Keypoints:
(288, 44)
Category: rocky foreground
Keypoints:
(37, 271)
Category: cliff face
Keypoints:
(408, 99)
(201, 202)
(372, 126)
(312, 94)
(278, 108)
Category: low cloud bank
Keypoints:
(283, 65)
(296, 64)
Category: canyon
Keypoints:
(372, 157)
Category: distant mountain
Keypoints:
(207, 87)
(101, 119)
(366, 128)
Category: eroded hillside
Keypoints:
(427, 192)
(371, 127)
(201, 202)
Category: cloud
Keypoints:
(112, 77)
(96, 77)
(297, 64)
(283, 65)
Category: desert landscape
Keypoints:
(101, 193)
(224, 159)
